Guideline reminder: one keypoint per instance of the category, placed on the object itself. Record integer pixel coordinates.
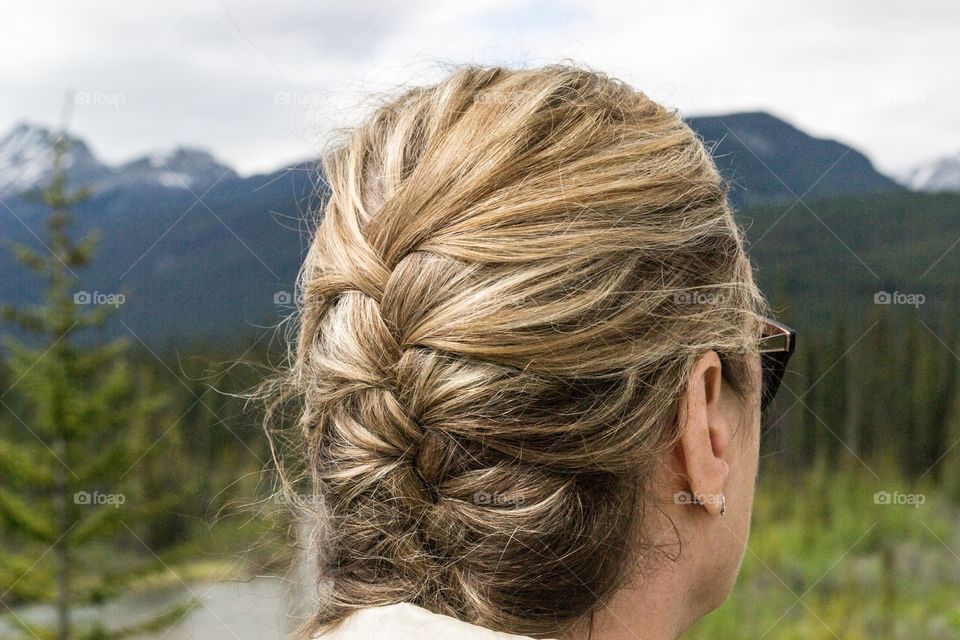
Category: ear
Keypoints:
(705, 433)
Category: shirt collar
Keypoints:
(406, 621)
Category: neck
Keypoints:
(657, 609)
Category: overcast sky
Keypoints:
(259, 84)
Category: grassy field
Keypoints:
(852, 553)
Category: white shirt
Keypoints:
(406, 621)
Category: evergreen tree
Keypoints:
(904, 441)
(945, 387)
(833, 391)
(815, 438)
(68, 479)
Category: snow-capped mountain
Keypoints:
(765, 159)
(197, 272)
(25, 159)
(938, 175)
(182, 168)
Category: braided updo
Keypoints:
(514, 273)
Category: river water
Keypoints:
(250, 610)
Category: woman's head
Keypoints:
(526, 288)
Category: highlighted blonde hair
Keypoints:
(514, 274)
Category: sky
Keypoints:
(262, 85)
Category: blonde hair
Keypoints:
(514, 273)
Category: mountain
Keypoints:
(216, 268)
(182, 168)
(766, 159)
(942, 174)
(197, 251)
(26, 151)
(189, 269)
(762, 157)
(25, 157)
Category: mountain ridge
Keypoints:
(748, 147)
(765, 158)
(26, 154)
(209, 263)
(937, 175)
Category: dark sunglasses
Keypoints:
(776, 346)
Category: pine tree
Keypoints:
(834, 393)
(878, 383)
(68, 470)
(815, 443)
(908, 423)
(944, 389)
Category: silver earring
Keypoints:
(723, 504)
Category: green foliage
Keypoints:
(872, 388)
(71, 479)
(887, 388)
(825, 560)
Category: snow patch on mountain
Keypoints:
(942, 174)
(26, 154)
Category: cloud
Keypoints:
(261, 85)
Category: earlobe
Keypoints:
(704, 434)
